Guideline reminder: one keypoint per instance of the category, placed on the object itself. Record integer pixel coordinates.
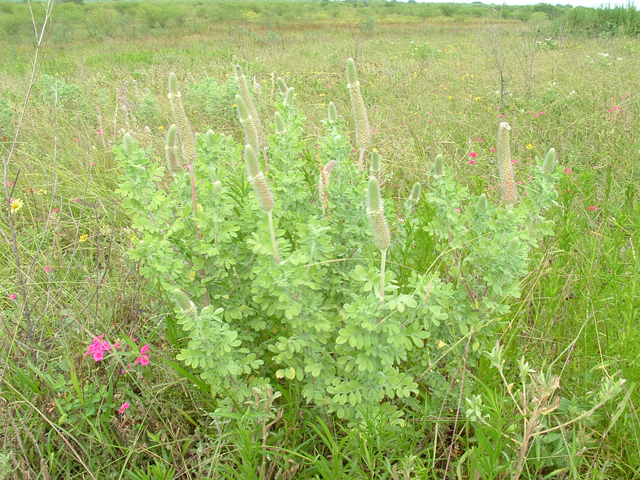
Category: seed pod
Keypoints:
(128, 144)
(357, 106)
(333, 114)
(216, 188)
(187, 138)
(257, 180)
(375, 165)
(171, 150)
(381, 235)
(246, 120)
(482, 203)
(549, 162)
(438, 167)
(246, 96)
(187, 307)
(289, 98)
(513, 247)
(509, 193)
(280, 128)
(210, 139)
(282, 86)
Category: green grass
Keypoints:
(59, 410)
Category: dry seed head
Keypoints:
(358, 107)
(171, 149)
(186, 306)
(248, 125)
(333, 114)
(549, 162)
(184, 128)
(257, 180)
(438, 167)
(289, 98)
(128, 144)
(509, 193)
(282, 86)
(280, 128)
(250, 106)
(482, 203)
(381, 235)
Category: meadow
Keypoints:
(545, 391)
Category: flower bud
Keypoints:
(438, 167)
(282, 86)
(482, 203)
(128, 144)
(216, 188)
(381, 235)
(257, 180)
(513, 247)
(186, 306)
(280, 128)
(289, 98)
(549, 162)
(333, 114)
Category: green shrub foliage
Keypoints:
(289, 290)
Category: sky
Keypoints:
(575, 3)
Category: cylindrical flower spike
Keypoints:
(184, 128)
(216, 188)
(187, 307)
(357, 106)
(509, 193)
(333, 114)
(289, 98)
(257, 180)
(414, 198)
(246, 96)
(246, 120)
(282, 86)
(549, 162)
(482, 203)
(128, 144)
(280, 128)
(375, 165)
(513, 247)
(381, 235)
(210, 139)
(171, 149)
(438, 167)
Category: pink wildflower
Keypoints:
(48, 269)
(76, 199)
(568, 171)
(97, 348)
(144, 349)
(592, 208)
(143, 360)
(514, 161)
(13, 296)
(479, 139)
(124, 406)
(500, 116)
(473, 154)
(472, 162)
(492, 149)
(55, 210)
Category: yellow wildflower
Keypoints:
(529, 147)
(83, 238)
(16, 204)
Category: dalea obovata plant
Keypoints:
(277, 260)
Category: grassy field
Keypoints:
(432, 86)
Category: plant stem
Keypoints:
(383, 264)
(273, 238)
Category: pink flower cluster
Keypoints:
(98, 347)
(124, 406)
(142, 359)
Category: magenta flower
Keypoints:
(479, 139)
(568, 171)
(592, 208)
(13, 296)
(48, 269)
(143, 360)
(124, 406)
(473, 154)
(472, 162)
(97, 348)
(144, 349)
(76, 199)
(492, 149)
